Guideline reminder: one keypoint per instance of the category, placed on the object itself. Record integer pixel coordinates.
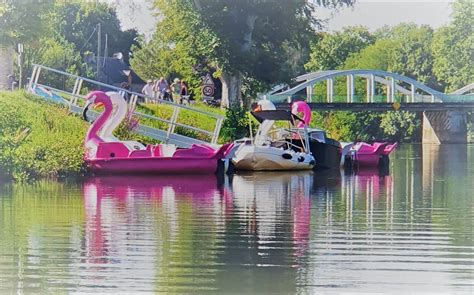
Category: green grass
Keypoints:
(186, 117)
(38, 139)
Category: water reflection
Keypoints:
(148, 226)
(407, 230)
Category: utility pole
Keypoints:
(20, 65)
(98, 50)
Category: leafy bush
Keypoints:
(369, 126)
(236, 124)
(38, 139)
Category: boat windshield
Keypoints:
(276, 115)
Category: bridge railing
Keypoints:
(70, 90)
(459, 98)
(402, 98)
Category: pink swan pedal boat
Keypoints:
(106, 154)
(371, 155)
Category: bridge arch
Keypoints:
(307, 81)
(466, 89)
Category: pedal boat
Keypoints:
(284, 149)
(105, 154)
(329, 152)
(371, 155)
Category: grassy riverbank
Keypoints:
(38, 139)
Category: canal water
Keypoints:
(408, 230)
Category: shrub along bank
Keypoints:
(38, 139)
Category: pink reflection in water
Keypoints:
(112, 200)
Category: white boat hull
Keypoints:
(262, 158)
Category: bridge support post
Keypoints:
(368, 89)
(330, 89)
(372, 87)
(350, 88)
(392, 89)
(444, 127)
(309, 93)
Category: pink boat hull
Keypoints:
(154, 165)
(369, 155)
(198, 159)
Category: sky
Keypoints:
(372, 14)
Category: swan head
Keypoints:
(298, 107)
(96, 98)
(265, 105)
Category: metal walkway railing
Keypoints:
(74, 89)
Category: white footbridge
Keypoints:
(167, 130)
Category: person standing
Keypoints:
(125, 91)
(161, 86)
(11, 82)
(176, 90)
(148, 90)
(184, 97)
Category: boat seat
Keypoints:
(145, 153)
(365, 148)
(107, 150)
(133, 145)
(195, 151)
(389, 148)
(164, 150)
(279, 144)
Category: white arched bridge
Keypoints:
(444, 115)
(380, 91)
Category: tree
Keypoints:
(411, 55)
(58, 54)
(21, 21)
(453, 47)
(76, 22)
(254, 39)
(374, 57)
(330, 51)
(404, 49)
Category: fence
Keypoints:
(46, 82)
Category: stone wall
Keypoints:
(6, 66)
(444, 127)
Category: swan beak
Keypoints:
(98, 105)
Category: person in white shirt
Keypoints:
(148, 90)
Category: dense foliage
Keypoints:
(453, 48)
(38, 139)
(442, 59)
(259, 40)
(330, 51)
(59, 33)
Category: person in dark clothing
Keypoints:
(184, 93)
(125, 94)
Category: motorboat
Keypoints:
(371, 155)
(104, 153)
(329, 152)
(278, 149)
(334, 154)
